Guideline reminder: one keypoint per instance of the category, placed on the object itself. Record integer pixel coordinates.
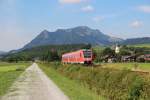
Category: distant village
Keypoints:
(108, 54)
(126, 54)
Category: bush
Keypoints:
(136, 89)
(56, 65)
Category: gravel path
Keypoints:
(33, 84)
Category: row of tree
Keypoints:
(54, 53)
(44, 53)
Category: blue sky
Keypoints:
(22, 20)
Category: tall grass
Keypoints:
(71, 88)
(110, 83)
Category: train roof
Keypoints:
(69, 53)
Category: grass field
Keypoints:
(71, 88)
(142, 66)
(141, 45)
(8, 74)
(80, 82)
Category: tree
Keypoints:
(108, 51)
(54, 55)
(124, 52)
(88, 46)
(51, 56)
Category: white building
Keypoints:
(117, 49)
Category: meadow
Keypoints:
(103, 82)
(9, 73)
(127, 66)
(72, 88)
(141, 45)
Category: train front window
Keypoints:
(87, 54)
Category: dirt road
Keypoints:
(33, 84)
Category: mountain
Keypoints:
(77, 35)
(132, 41)
(2, 52)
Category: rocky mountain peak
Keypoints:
(76, 35)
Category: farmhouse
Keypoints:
(127, 58)
(144, 58)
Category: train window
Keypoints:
(87, 54)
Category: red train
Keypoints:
(84, 56)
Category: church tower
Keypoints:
(117, 49)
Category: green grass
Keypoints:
(11, 67)
(73, 89)
(107, 82)
(9, 73)
(141, 45)
(142, 66)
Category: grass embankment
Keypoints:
(72, 88)
(142, 66)
(111, 84)
(8, 74)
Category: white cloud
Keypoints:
(136, 24)
(88, 8)
(144, 8)
(70, 1)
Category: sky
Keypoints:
(23, 20)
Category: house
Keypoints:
(144, 58)
(147, 57)
(128, 58)
(109, 59)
